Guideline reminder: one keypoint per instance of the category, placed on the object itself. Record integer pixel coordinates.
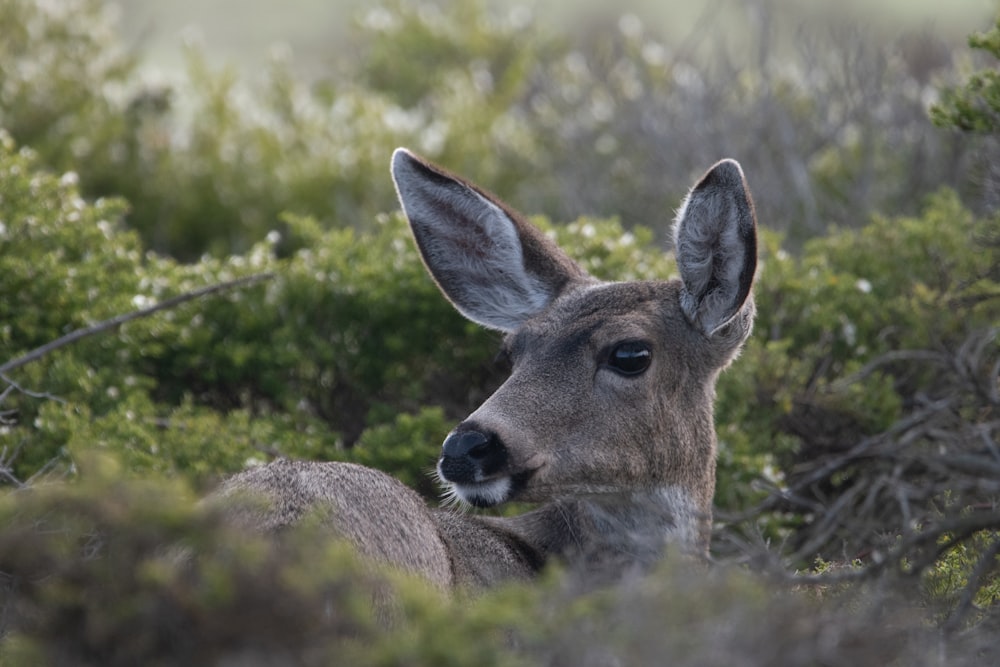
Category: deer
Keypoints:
(605, 422)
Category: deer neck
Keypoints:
(614, 532)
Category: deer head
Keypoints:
(612, 385)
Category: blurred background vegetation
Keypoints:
(139, 161)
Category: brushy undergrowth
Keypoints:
(118, 571)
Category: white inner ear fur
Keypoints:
(475, 255)
(710, 257)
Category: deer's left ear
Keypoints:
(716, 244)
(495, 267)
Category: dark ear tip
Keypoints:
(725, 174)
(403, 159)
(410, 168)
(728, 164)
(402, 153)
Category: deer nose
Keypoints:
(470, 455)
(467, 443)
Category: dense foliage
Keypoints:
(126, 573)
(858, 431)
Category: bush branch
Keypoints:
(119, 320)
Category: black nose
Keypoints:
(469, 456)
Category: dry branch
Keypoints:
(898, 502)
(119, 320)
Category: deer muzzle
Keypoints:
(475, 464)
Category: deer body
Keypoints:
(606, 419)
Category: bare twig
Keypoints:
(12, 385)
(865, 449)
(105, 325)
(966, 603)
(891, 357)
(892, 507)
(6, 467)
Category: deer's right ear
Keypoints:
(497, 269)
(716, 244)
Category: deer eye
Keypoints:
(630, 358)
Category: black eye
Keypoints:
(630, 358)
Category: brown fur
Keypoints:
(622, 464)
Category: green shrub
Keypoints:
(62, 70)
(974, 106)
(68, 265)
(407, 447)
(116, 571)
